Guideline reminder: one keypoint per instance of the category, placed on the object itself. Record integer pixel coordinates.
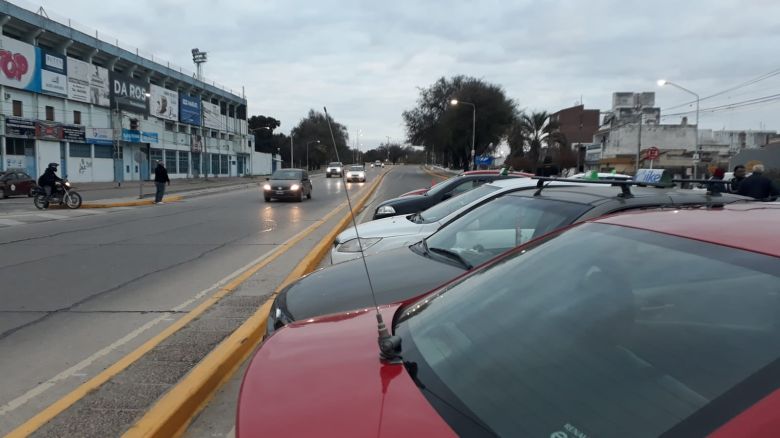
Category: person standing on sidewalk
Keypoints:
(160, 179)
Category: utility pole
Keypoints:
(291, 150)
(639, 139)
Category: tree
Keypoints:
(263, 129)
(314, 127)
(446, 130)
(532, 134)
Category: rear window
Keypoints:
(604, 330)
(356, 168)
(334, 164)
(286, 174)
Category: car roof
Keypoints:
(749, 226)
(598, 194)
(493, 172)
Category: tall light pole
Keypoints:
(661, 83)
(307, 152)
(291, 150)
(638, 109)
(455, 102)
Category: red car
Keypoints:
(15, 183)
(470, 172)
(657, 323)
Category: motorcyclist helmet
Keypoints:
(53, 166)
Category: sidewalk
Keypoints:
(109, 191)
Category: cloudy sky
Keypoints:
(364, 60)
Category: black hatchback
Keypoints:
(288, 184)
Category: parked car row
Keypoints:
(532, 307)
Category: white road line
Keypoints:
(10, 222)
(88, 211)
(74, 370)
(50, 216)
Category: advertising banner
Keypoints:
(189, 110)
(19, 65)
(135, 136)
(20, 128)
(48, 130)
(104, 136)
(87, 83)
(54, 79)
(196, 143)
(129, 94)
(74, 133)
(211, 116)
(165, 103)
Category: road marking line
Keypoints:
(50, 216)
(10, 222)
(235, 279)
(173, 412)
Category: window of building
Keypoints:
(196, 163)
(194, 131)
(224, 164)
(169, 126)
(155, 155)
(213, 134)
(223, 108)
(77, 117)
(50, 113)
(170, 161)
(182, 128)
(184, 162)
(222, 135)
(17, 108)
(231, 111)
(79, 150)
(15, 146)
(104, 151)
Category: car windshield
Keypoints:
(356, 168)
(335, 164)
(642, 331)
(444, 209)
(502, 224)
(286, 174)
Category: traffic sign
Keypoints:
(653, 153)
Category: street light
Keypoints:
(663, 82)
(455, 102)
(307, 152)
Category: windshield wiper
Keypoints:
(452, 255)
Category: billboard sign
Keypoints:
(212, 117)
(136, 136)
(652, 176)
(74, 133)
(128, 93)
(189, 110)
(19, 65)
(196, 143)
(19, 127)
(104, 136)
(165, 103)
(87, 83)
(45, 130)
(54, 79)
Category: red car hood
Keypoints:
(324, 378)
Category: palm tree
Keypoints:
(533, 132)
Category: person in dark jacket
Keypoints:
(49, 179)
(717, 187)
(758, 186)
(160, 179)
(739, 176)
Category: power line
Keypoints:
(729, 106)
(720, 93)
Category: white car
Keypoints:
(394, 232)
(356, 173)
(333, 169)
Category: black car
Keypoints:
(16, 183)
(474, 238)
(287, 184)
(440, 192)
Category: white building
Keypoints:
(105, 113)
(735, 141)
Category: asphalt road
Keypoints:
(79, 291)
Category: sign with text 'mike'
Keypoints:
(129, 94)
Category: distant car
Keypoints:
(468, 241)
(334, 168)
(372, 165)
(641, 324)
(288, 184)
(357, 173)
(16, 183)
(378, 163)
(442, 191)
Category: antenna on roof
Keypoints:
(389, 345)
(42, 12)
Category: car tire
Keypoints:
(30, 193)
(6, 194)
(327, 175)
(267, 199)
(308, 195)
(300, 197)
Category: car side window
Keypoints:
(462, 187)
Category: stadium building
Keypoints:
(106, 113)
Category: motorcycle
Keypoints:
(63, 194)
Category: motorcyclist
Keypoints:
(49, 179)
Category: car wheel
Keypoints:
(300, 197)
(308, 195)
(327, 175)
(5, 193)
(30, 193)
(267, 199)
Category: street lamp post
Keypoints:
(663, 82)
(307, 152)
(473, 128)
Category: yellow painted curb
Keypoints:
(174, 411)
(92, 384)
(436, 174)
(131, 203)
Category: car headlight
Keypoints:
(295, 187)
(385, 209)
(352, 245)
(267, 187)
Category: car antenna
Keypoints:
(389, 345)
